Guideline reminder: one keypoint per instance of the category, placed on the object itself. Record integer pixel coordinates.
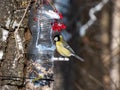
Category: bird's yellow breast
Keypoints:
(62, 50)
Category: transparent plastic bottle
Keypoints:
(41, 47)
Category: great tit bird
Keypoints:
(63, 48)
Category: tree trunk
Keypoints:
(115, 48)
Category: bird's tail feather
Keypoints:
(81, 59)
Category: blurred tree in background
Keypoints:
(100, 46)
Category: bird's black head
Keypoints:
(57, 38)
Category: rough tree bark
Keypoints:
(11, 12)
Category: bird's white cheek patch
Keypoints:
(56, 39)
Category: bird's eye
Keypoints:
(56, 39)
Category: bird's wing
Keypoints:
(68, 47)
